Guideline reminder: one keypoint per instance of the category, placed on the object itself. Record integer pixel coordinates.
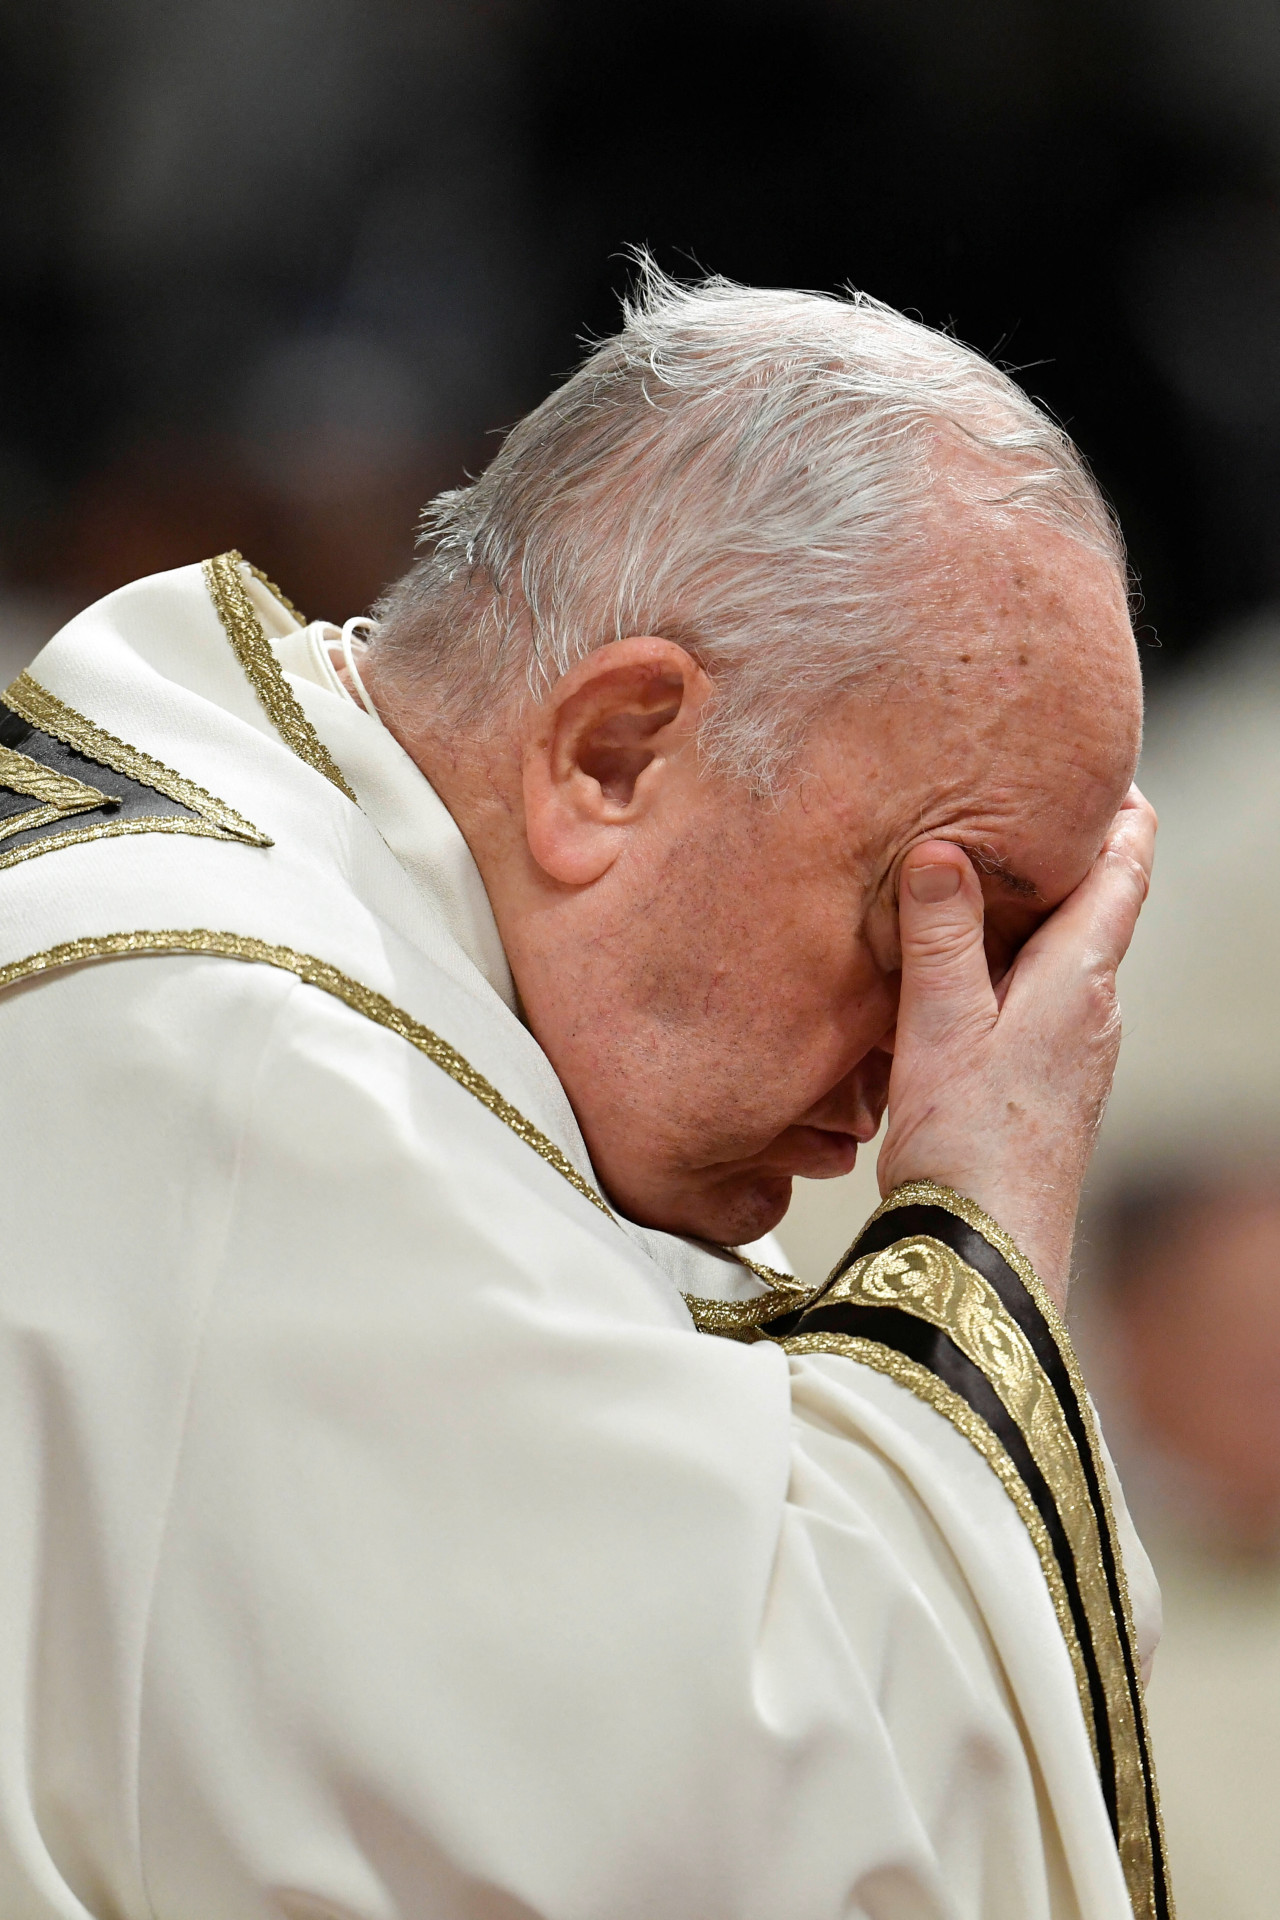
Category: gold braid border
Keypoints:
(265, 675)
(747, 1319)
(926, 1386)
(213, 818)
(930, 1193)
(45, 710)
(274, 591)
(314, 973)
(111, 830)
(36, 817)
(374, 1006)
(58, 793)
(970, 1316)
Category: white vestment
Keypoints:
(379, 1537)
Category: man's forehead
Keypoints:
(1030, 849)
(1023, 765)
(994, 866)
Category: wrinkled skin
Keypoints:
(717, 977)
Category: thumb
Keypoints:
(946, 983)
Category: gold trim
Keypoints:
(45, 710)
(313, 973)
(275, 592)
(744, 1319)
(318, 973)
(931, 1193)
(109, 830)
(782, 1282)
(926, 1278)
(27, 822)
(57, 792)
(1126, 1604)
(927, 1386)
(252, 649)
(741, 1319)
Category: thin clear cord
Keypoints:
(348, 659)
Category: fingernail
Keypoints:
(930, 884)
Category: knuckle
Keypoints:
(942, 942)
(1127, 866)
(1099, 1004)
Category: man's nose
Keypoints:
(856, 1104)
(871, 1076)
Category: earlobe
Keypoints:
(609, 740)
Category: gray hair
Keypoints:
(744, 471)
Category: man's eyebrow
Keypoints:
(994, 865)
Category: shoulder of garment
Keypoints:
(158, 757)
(691, 1442)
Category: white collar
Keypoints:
(398, 800)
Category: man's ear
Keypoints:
(606, 746)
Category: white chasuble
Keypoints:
(385, 1536)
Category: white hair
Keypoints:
(747, 472)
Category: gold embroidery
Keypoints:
(110, 830)
(361, 999)
(19, 773)
(275, 592)
(930, 1193)
(315, 973)
(266, 676)
(29, 818)
(44, 710)
(209, 818)
(927, 1386)
(922, 1276)
(57, 793)
(781, 1282)
(743, 1319)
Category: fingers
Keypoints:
(945, 981)
(1133, 831)
(1136, 800)
(1118, 886)
(1100, 916)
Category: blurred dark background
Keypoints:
(273, 271)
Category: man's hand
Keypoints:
(999, 1091)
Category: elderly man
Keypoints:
(399, 1040)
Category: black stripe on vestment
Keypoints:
(900, 1223)
(934, 1350)
(124, 798)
